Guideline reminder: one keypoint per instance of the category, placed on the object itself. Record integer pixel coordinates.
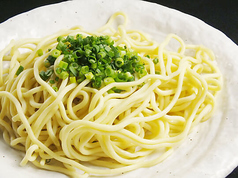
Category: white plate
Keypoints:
(211, 149)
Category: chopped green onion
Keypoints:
(80, 79)
(58, 70)
(156, 60)
(63, 75)
(84, 69)
(119, 62)
(55, 53)
(60, 38)
(39, 52)
(93, 63)
(63, 65)
(111, 53)
(92, 60)
(78, 54)
(19, 70)
(46, 63)
(108, 80)
(116, 90)
(72, 79)
(68, 58)
(70, 38)
(139, 67)
(51, 59)
(136, 59)
(157, 72)
(55, 88)
(122, 53)
(47, 161)
(129, 76)
(107, 48)
(110, 72)
(89, 75)
(96, 48)
(142, 73)
(43, 76)
(52, 82)
(130, 53)
(87, 52)
(110, 91)
(100, 73)
(109, 40)
(61, 46)
(74, 65)
(101, 55)
(97, 82)
(46, 75)
(121, 77)
(49, 72)
(94, 66)
(73, 68)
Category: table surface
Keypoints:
(222, 15)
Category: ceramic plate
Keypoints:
(211, 149)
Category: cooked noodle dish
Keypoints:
(106, 102)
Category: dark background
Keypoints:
(222, 15)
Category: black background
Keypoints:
(222, 15)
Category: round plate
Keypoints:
(211, 148)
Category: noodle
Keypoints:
(82, 131)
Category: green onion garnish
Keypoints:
(58, 70)
(156, 60)
(19, 70)
(97, 82)
(39, 52)
(101, 55)
(56, 53)
(142, 73)
(84, 69)
(49, 72)
(110, 72)
(51, 59)
(89, 75)
(52, 82)
(108, 80)
(63, 75)
(60, 38)
(45, 75)
(72, 80)
(55, 88)
(73, 67)
(119, 62)
(94, 58)
(46, 63)
(63, 65)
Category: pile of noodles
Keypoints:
(82, 131)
